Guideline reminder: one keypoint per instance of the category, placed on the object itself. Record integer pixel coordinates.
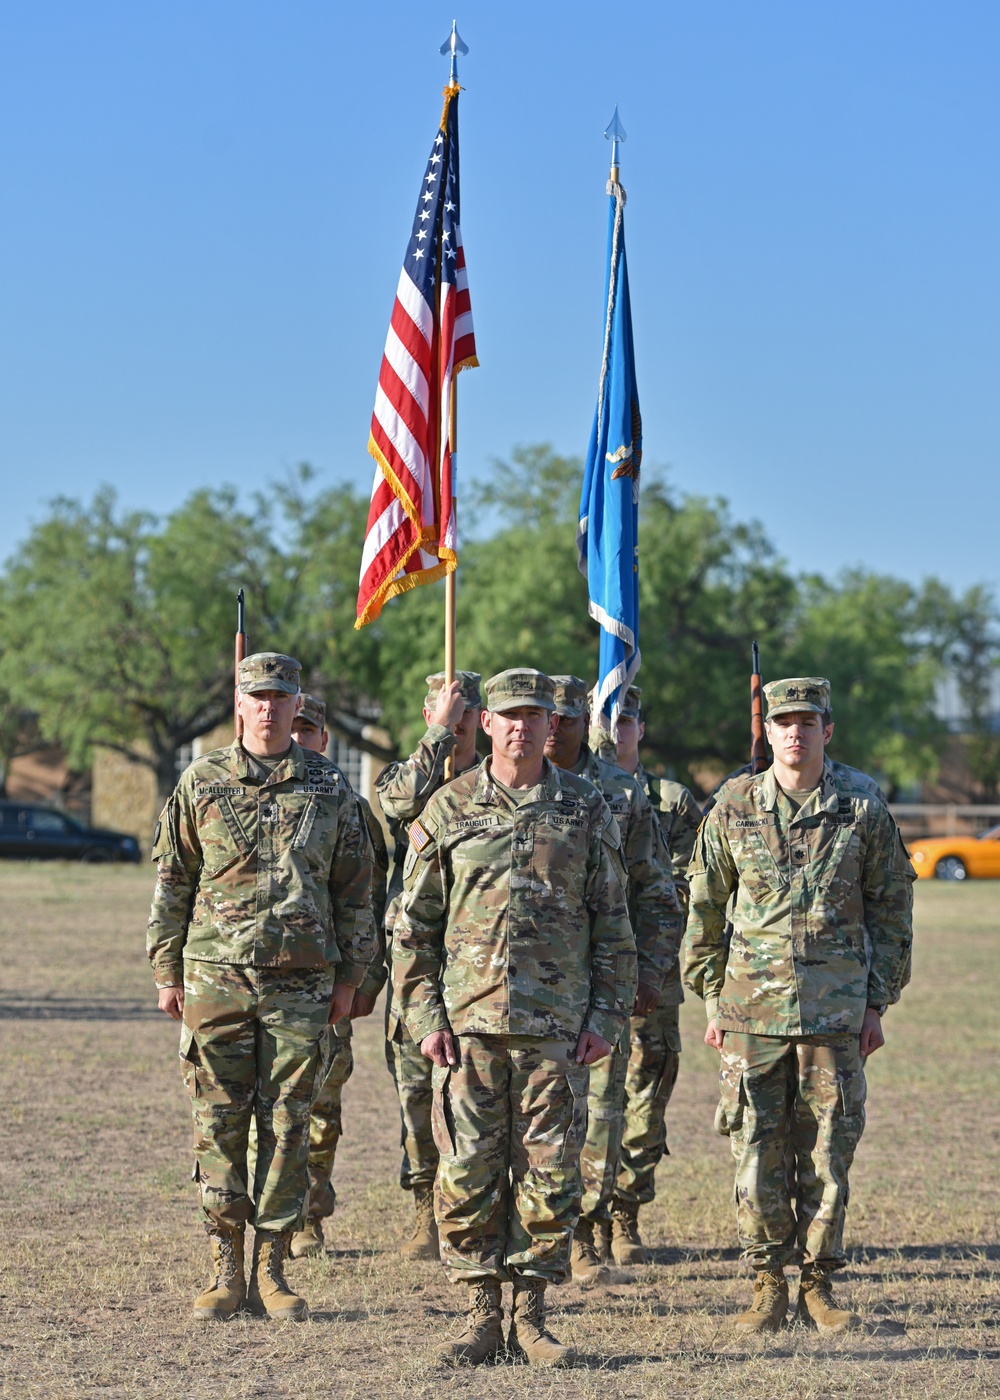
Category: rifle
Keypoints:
(241, 651)
(758, 745)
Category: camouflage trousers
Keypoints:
(653, 1061)
(326, 1121)
(794, 1111)
(250, 1048)
(605, 1125)
(509, 1122)
(411, 1074)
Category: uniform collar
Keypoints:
(241, 765)
(487, 794)
(826, 800)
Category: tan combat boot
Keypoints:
(626, 1246)
(482, 1339)
(528, 1333)
(268, 1290)
(423, 1244)
(816, 1306)
(586, 1267)
(602, 1240)
(770, 1303)
(228, 1288)
(308, 1241)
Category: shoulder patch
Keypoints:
(419, 837)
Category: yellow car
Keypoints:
(958, 857)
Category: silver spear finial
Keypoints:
(615, 132)
(453, 45)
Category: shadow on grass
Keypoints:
(954, 1249)
(75, 1009)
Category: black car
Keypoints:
(41, 833)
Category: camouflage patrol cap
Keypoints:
(269, 670)
(313, 711)
(471, 693)
(509, 690)
(571, 696)
(632, 703)
(797, 693)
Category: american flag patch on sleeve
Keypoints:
(418, 836)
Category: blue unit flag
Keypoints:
(608, 533)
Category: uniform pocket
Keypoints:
(188, 1052)
(578, 1080)
(731, 1110)
(442, 1119)
(852, 1093)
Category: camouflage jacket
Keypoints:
(513, 919)
(823, 914)
(404, 788)
(376, 974)
(679, 816)
(274, 873)
(653, 904)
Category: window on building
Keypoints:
(349, 760)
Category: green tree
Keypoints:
(967, 641)
(120, 634)
(868, 634)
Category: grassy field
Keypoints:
(101, 1249)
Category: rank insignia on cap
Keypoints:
(419, 837)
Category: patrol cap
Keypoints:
(632, 703)
(511, 689)
(797, 693)
(471, 693)
(313, 711)
(269, 670)
(571, 696)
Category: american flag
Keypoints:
(411, 535)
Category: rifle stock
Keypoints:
(758, 744)
(241, 651)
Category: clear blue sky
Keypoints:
(205, 206)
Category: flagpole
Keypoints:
(452, 46)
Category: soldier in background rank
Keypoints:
(326, 1121)
(451, 713)
(654, 1054)
(657, 923)
(514, 968)
(260, 930)
(822, 929)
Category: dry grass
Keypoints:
(101, 1251)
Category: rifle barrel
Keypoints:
(240, 650)
(758, 744)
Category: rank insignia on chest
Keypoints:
(419, 837)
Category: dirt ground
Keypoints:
(101, 1250)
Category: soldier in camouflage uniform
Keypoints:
(260, 930)
(822, 929)
(326, 1121)
(451, 714)
(514, 965)
(656, 921)
(654, 1054)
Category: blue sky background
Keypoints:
(205, 206)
